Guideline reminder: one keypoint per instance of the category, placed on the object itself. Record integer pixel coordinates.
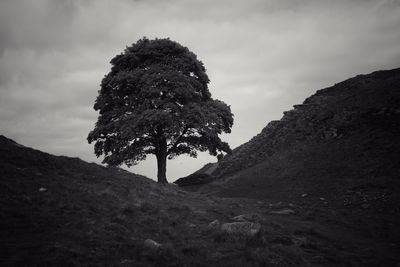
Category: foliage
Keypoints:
(155, 100)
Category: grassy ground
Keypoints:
(59, 211)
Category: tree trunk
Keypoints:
(162, 162)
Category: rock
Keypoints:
(240, 218)
(247, 229)
(322, 198)
(278, 204)
(246, 217)
(151, 244)
(127, 262)
(283, 212)
(330, 133)
(304, 195)
(365, 206)
(42, 189)
(214, 224)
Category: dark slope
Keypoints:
(344, 136)
(60, 211)
(337, 154)
(365, 104)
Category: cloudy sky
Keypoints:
(262, 57)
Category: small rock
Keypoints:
(283, 212)
(247, 229)
(304, 195)
(275, 204)
(127, 262)
(322, 198)
(42, 189)
(240, 218)
(250, 217)
(214, 224)
(151, 244)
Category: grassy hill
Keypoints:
(341, 140)
(364, 105)
(317, 188)
(60, 211)
(338, 153)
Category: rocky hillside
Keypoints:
(365, 103)
(351, 129)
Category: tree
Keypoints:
(155, 100)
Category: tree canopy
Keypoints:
(155, 100)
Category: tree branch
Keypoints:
(178, 140)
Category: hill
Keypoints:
(61, 211)
(317, 188)
(337, 153)
(342, 138)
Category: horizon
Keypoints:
(263, 58)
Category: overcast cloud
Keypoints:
(262, 57)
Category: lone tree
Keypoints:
(155, 100)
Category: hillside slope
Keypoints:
(363, 104)
(60, 211)
(338, 153)
(344, 136)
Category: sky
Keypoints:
(262, 57)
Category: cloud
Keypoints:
(262, 57)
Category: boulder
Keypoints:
(247, 229)
(250, 217)
(240, 218)
(214, 224)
